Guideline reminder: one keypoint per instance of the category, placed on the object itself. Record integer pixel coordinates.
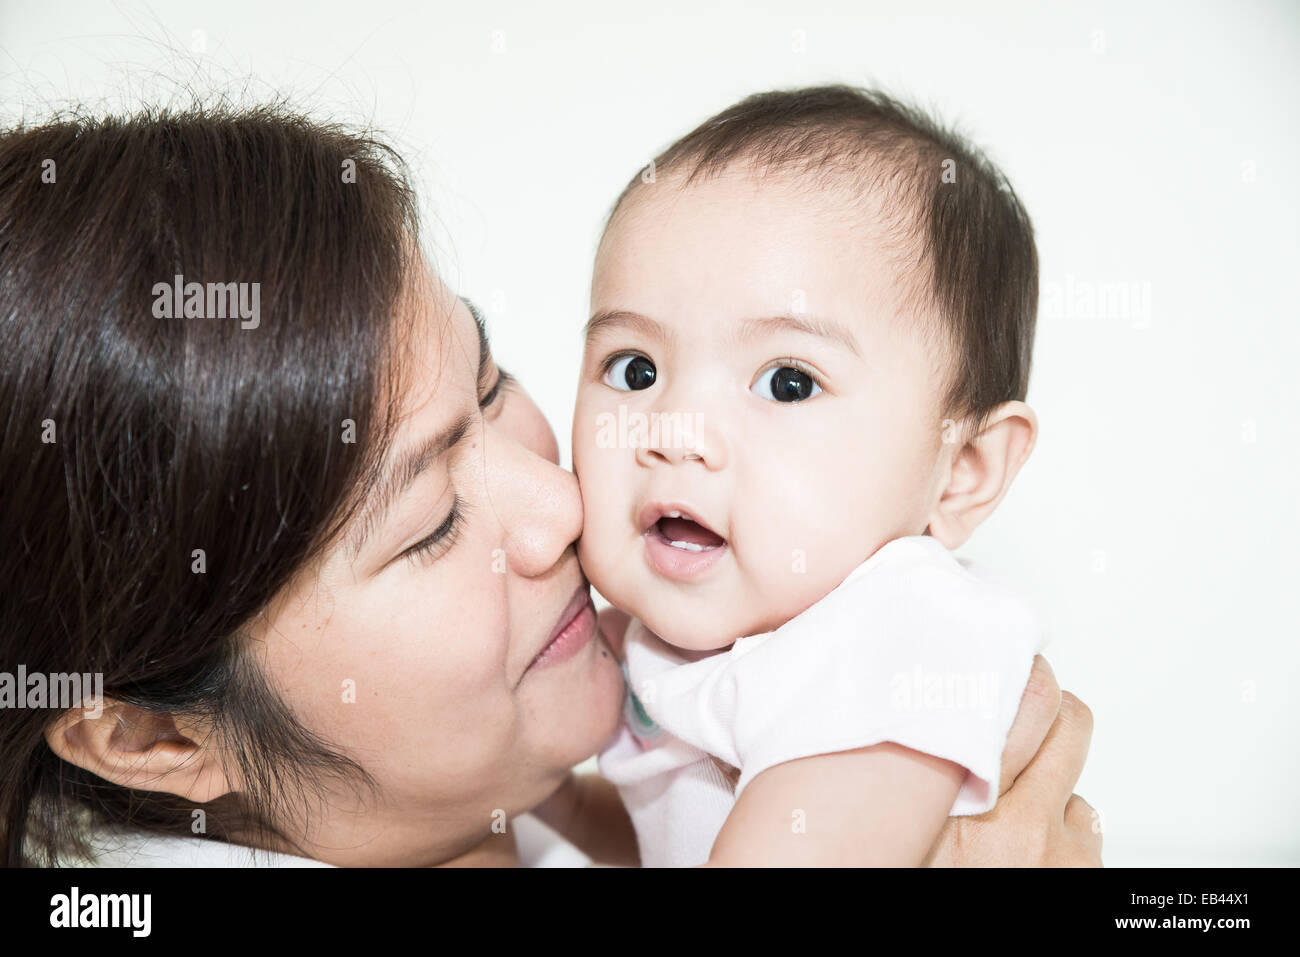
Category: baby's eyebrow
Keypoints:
(747, 329)
(807, 325)
(611, 319)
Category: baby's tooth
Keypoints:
(689, 546)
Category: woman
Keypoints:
(262, 473)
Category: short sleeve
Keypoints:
(912, 648)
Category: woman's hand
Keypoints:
(1038, 820)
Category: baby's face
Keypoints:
(752, 364)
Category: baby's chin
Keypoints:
(701, 632)
(687, 617)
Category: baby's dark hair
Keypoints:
(959, 218)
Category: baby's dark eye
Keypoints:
(630, 373)
(786, 384)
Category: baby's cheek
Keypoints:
(600, 557)
(796, 561)
(770, 565)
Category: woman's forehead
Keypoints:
(443, 358)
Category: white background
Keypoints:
(1155, 146)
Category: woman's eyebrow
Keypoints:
(484, 349)
(407, 467)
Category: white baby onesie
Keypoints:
(915, 646)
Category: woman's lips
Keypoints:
(572, 633)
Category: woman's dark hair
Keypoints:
(967, 238)
(166, 471)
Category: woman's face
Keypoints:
(420, 645)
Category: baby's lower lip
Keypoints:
(679, 564)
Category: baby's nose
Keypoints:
(670, 455)
(678, 444)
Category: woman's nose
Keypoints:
(537, 503)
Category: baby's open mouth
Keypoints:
(685, 533)
(677, 544)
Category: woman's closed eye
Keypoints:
(504, 379)
(438, 542)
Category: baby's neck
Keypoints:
(698, 655)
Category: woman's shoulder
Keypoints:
(539, 846)
(129, 848)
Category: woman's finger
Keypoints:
(1038, 708)
(1079, 813)
(1050, 778)
(1083, 828)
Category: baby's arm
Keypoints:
(880, 806)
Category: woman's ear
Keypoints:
(142, 750)
(981, 470)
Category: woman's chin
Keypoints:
(581, 701)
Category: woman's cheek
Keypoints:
(523, 421)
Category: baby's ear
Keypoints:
(981, 470)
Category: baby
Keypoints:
(803, 383)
